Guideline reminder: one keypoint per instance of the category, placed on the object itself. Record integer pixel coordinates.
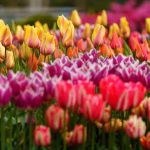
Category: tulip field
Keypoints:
(76, 86)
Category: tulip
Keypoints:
(145, 141)
(106, 115)
(72, 52)
(147, 22)
(113, 28)
(20, 34)
(54, 116)
(106, 50)
(124, 27)
(86, 31)
(45, 27)
(10, 62)
(58, 53)
(93, 107)
(98, 20)
(7, 37)
(77, 136)
(75, 18)
(135, 127)
(25, 51)
(2, 29)
(104, 18)
(68, 37)
(82, 45)
(2, 52)
(31, 37)
(62, 23)
(98, 34)
(47, 44)
(42, 135)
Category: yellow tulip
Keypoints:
(10, 62)
(87, 31)
(98, 20)
(62, 23)
(7, 37)
(48, 44)
(147, 21)
(38, 24)
(2, 29)
(98, 34)
(2, 52)
(45, 27)
(31, 37)
(104, 18)
(113, 28)
(75, 18)
(124, 27)
(20, 34)
(68, 38)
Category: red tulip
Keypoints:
(42, 135)
(54, 116)
(145, 141)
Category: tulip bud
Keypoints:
(104, 18)
(124, 27)
(75, 18)
(135, 127)
(2, 52)
(77, 136)
(98, 20)
(7, 37)
(98, 34)
(62, 23)
(10, 62)
(47, 44)
(42, 135)
(68, 37)
(113, 28)
(54, 116)
(20, 34)
(31, 37)
(87, 31)
(147, 21)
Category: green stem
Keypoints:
(30, 130)
(122, 133)
(64, 130)
(93, 137)
(2, 130)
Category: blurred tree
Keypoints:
(14, 3)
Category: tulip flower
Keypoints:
(113, 28)
(145, 141)
(86, 31)
(20, 34)
(106, 50)
(42, 135)
(124, 27)
(25, 51)
(10, 62)
(147, 26)
(54, 116)
(75, 18)
(82, 45)
(104, 18)
(98, 20)
(68, 37)
(98, 34)
(2, 29)
(7, 37)
(72, 52)
(31, 37)
(47, 44)
(62, 23)
(77, 136)
(93, 107)
(2, 52)
(135, 127)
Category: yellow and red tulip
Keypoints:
(75, 18)
(10, 62)
(20, 34)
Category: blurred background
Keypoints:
(28, 11)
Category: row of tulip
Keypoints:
(85, 100)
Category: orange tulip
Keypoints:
(72, 52)
(75, 18)
(106, 50)
(2, 52)
(58, 53)
(68, 37)
(10, 62)
(98, 34)
(32, 63)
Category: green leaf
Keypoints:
(127, 50)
